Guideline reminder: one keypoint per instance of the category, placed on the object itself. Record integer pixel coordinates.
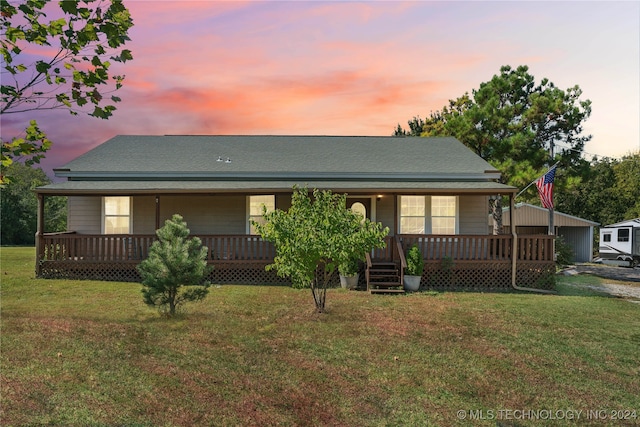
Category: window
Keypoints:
(412, 214)
(428, 214)
(443, 215)
(255, 209)
(117, 215)
(623, 235)
(606, 237)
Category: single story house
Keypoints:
(433, 192)
(576, 232)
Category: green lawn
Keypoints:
(91, 353)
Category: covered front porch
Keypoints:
(452, 262)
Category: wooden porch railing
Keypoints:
(134, 248)
(480, 247)
(387, 253)
(125, 247)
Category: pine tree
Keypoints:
(176, 268)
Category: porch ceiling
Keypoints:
(169, 187)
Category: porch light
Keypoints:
(219, 158)
(228, 160)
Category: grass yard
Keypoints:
(86, 353)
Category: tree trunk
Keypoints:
(496, 213)
(172, 302)
(320, 291)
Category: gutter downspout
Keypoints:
(514, 253)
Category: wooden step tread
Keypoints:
(386, 291)
(384, 284)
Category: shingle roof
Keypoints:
(200, 162)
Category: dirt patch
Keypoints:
(610, 272)
(629, 290)
(622, 291)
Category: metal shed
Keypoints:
(576, 232)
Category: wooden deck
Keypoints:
(482, 262)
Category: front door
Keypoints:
(361, 205)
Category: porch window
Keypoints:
(117, 215)
(412, 214)
(255, 209)
(428, 214)
(443, 214)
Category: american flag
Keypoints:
(545, 188)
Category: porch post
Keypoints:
(514, 237)
(39, 233)
(395, 214)
(157, 212)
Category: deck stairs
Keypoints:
(384, 277)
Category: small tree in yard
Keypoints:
(176, 268)
(317, 233)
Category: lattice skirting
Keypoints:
(438, 275)
(245, 274)
(224, 273)
(538, 275)
(85, 270)
(485, 275)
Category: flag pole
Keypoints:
(534, 181)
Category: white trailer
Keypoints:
(620, 242)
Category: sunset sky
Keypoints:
(353, 68)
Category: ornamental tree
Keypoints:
(62, 62)
(315, 236)
(176, 269)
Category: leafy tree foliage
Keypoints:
(607, 192)
(72, 72)
(416, 126)
(627, 173)
(515, 124)
(19, 206)
(175, 271)
(317, 233)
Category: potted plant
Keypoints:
(349, 273)
(415, 267)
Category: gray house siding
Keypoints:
(473, 214)
(207, 214)
(385, 212)
(144, 214)
(84, 215)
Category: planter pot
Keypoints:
(349, 282)
(411, 283)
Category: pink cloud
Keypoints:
(346, 67)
